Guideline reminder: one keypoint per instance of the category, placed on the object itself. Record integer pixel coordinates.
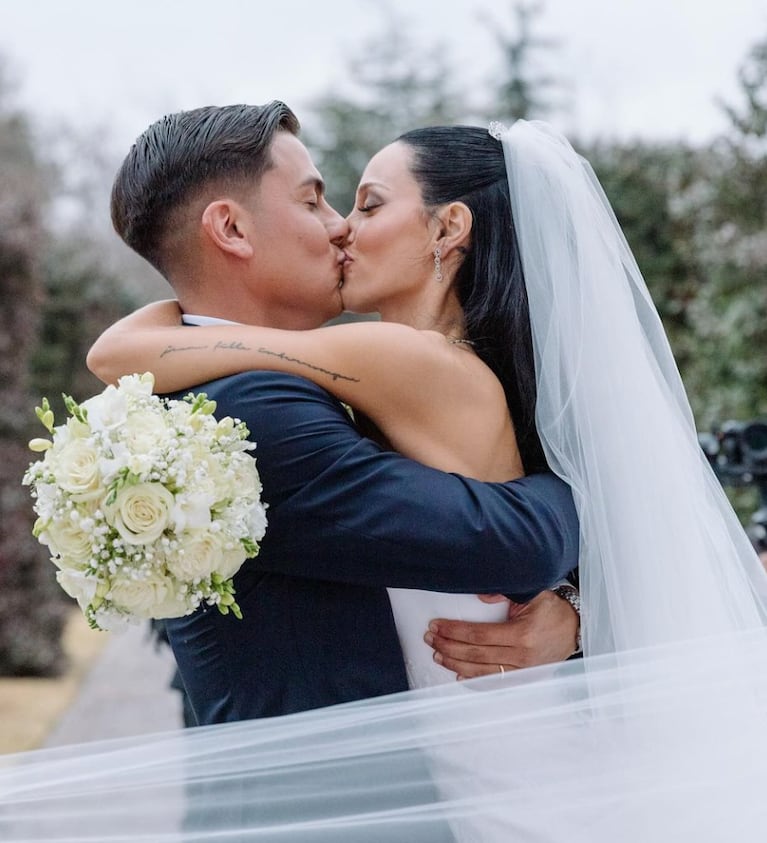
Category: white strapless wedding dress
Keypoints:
(413, 609)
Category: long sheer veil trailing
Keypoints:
(658, 734)
(663, 557)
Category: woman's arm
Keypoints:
(388, 371)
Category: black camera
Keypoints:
(737, 452)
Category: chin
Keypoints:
(353, 303)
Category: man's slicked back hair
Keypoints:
(173, 161)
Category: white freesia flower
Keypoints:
(192, 510)
(148, 506)
(107, 411)
(137, 386)
(257, 520)
(76, 429)
(113, 461)
(79, 585)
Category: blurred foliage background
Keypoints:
(696, 218)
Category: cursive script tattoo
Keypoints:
(334, 375)
(235, 345)
(171, 349)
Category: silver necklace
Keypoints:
(454, 341)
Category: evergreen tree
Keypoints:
(393, 84)
(525, 90)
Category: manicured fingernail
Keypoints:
(438, 658)
(433, 627)
(428, 638)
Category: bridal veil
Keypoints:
(657, 734)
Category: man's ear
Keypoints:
(223, 222)
(456, 221)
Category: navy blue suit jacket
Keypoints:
(347, 519)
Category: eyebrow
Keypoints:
(368, 184)
(315, 182)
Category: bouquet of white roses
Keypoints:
(148, 506)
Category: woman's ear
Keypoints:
(223, 222)
(456, 221)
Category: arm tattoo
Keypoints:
(172, 348)
(235, 345)
(333, 375)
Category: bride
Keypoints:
(530, 333)
(447, 377)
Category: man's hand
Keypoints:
(539, 632)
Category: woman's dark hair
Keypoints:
(465, 164)
(179, 155)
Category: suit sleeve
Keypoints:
(341, 509)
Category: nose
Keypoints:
(336, 226)
(350, 227)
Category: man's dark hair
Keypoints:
(465, 164)
(177, 157)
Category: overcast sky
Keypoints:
(650, 68)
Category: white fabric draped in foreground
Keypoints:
(667, 744)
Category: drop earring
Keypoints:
(438, 264)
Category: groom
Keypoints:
(227, 205)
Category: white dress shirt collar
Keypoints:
(195, 319)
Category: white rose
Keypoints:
(232, 560)
(68, 540)
(201, 554)
(246, 480)
(141, 513)
(152, 596)
(209, 475)
(76, 468)
(144, 432)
